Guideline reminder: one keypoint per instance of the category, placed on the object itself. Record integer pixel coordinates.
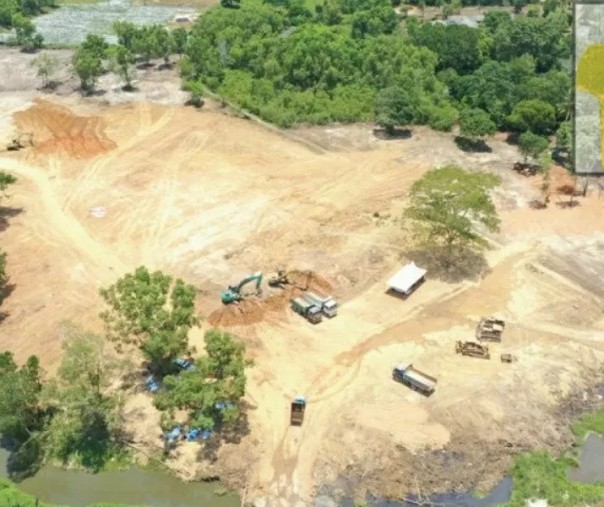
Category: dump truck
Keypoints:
(298, 407)
(406, 374)
(490, 329)
(472, 349)
(308, 310)
(327, 304)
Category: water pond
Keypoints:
(69, 24)
(135, 486)
(591, 461)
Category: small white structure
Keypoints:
(407, 279)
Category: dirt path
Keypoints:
(73, 234)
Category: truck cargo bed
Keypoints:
(421, 378)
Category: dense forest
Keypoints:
(355, 60)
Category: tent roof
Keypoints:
(407, 277)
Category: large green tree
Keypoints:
(86, 416)
(534, 115)
(5, 181)
(88, 66)
(532, 145)
(21, 413)
(151, 311)
(394, 107)
(476, 124)
(213, 391)
(448, 204)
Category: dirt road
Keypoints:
(212, 198)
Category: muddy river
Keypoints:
(134, 486)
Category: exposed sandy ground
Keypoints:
(212, 198)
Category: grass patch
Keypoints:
(586, 423)
(539, 475)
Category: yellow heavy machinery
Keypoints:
(472, 349)
(21, 141)
(279, 279)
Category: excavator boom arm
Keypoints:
(255, 277)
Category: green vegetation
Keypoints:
(590, 422)
(46, 65)
(475, 124)
(16, 13)
(86, 412)
(94, 56)
(73, 418)
(351, 60)
(213, 391)
(532, 145)
(6, 180)
(446, 206)
(538, 475)
(152, 312)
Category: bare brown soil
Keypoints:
(253, 310)
(212, 198)
(60, 132)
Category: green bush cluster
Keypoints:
(354, 60)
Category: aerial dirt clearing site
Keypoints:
(211, 198)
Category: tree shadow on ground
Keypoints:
(24, 460)
(472, 145)
(145, 65)
(396, 134)
(7, 212)
(463, 264)
(228, 435)
(512, 138)
(537, 204)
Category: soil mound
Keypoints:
(252, 310)
(56, 130)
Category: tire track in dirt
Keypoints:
(147, 128)
(169, 185)
(65, 225)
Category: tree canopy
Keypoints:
(86, 410)
(151, 311)
(350, 61)
(448, 204)
(211, 392)
(476, 123)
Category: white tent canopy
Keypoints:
(407, 278)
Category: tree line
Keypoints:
(76, 417)
(354, 60)
(135, 44)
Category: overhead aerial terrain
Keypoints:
(111, 184)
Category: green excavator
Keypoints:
(233, 293)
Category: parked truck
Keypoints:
(327, 304)
(415, 379)
(298, 406)
(308, 310)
